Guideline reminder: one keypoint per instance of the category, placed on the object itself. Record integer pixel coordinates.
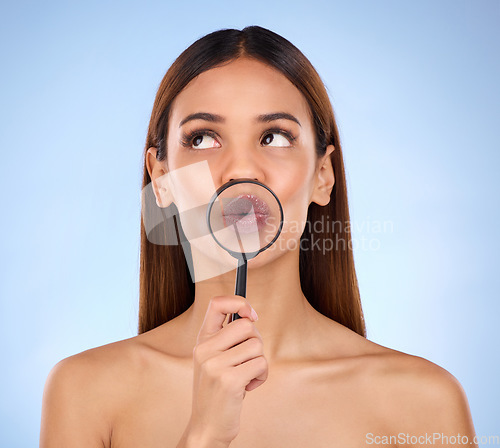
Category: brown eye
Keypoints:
(268, 139)
(275, 139)
(204, 141)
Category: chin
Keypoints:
(278, 252)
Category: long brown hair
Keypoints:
(328, 277)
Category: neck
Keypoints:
(285, 316)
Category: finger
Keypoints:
(247, 350)
(232, 335)
(218, 308)
(253, 372)
(254, 384)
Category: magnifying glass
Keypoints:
(245, 217)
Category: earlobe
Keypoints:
(325, 178)
(159, 179)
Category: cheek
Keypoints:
(191, 185)
(294, 191)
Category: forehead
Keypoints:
(239, 91)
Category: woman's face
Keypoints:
(250, 122)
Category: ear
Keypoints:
(325, 179)
(159, 179)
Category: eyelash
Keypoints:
(187, 139)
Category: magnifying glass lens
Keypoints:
(245, 218)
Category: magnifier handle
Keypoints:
(241, 285)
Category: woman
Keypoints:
(248, 104)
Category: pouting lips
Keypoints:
(239, 208)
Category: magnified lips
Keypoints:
(239, 210)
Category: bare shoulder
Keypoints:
(409, 394)
(83, 391)
(420, 396)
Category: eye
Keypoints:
(278, 138)
(198, 141)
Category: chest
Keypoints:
(315, 416)
(289, 410)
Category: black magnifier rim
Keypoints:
(243, 255)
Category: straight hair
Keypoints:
(328, 277)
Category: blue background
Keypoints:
(414, 85)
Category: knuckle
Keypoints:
(214, 303)
(236, 302)
(261, 362)
(209, 367)
(246, 325)
(228, 380)
(256, 344)
(217, 299)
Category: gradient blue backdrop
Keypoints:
(414, 85)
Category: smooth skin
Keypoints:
(292, 378)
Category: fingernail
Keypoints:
(254, 315)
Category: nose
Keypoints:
(241, 163)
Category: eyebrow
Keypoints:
(264, 118)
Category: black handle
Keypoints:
(241, 284)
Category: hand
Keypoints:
(228, 362)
